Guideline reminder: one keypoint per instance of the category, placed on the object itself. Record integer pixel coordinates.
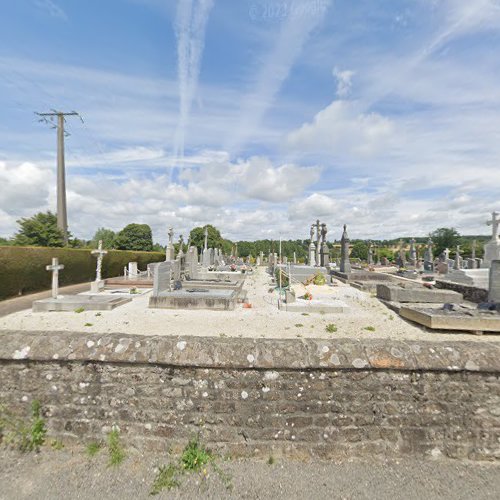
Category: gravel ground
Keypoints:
(262, 320)
(70, 474)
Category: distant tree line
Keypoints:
(42, 230)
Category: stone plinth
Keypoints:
(395, 293)
(196, 298)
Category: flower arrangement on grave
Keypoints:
(233, 268)
(308, 296)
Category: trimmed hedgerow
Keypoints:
(22, 269)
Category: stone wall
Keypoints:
(470, 293)
(328, 398)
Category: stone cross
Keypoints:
(446, 253)
(345, 264)
(55, 268)
(494, 223)
(171, 235)
(100, 254)
(205, 247)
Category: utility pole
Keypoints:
(62, 214)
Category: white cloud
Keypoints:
(52, 9)
(341, 128)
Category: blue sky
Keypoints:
(257, 116)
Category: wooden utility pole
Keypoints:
(62, 213)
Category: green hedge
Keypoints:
(22, 269)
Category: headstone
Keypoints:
(176, 270)
(285, 260)
(345, 264)
(370, 254)
(413, 253)
(492, 248)
(442, 268)
(429, 257)
(162, 277)
(458, 260)
(170, 251)
(261, 258)
(98, 284)
(401, 260)
(257, 261)
(133, 271)
(211, 256)
(494, 289)
(180, 254)
(55, 268)
(192, 262)
(295, 257)
(471, 264)
(205, 245)
(206, 259)
(318, 243)
(312, 254)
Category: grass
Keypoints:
(26, 436)
(194, 458)
(299, 325)
(115, 448)
(271, 460)
(93, 448)
(369, 328)
(57, 444)
(331, 328)
(305, 314)
(166, 479)
(98, 314)
(88, 324)
(80, 310)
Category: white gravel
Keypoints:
(262, 320)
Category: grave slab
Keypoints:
(195, 298)
(461, 320)
(400, 293)
(71, 302)
(322, 306)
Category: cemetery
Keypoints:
(294, 331)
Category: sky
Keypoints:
(256, 116)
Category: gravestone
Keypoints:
(133, 271)
(312, 254)
(98, 284)
(295, 257)
(370, 254)
(429, 257)
(345, 264)
(162, 277)
(170, 251)
(317, 257)
(494, 289)
(192, 262)
(492, 248)
(176, 270)
(413, 253)
(206, 259)
(55, 267)
(457, 264)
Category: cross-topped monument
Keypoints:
(55, 268)
(100, 253)
(495, 224)
(205, 246)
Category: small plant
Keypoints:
(195, 456)
(391, 317)
(369, 328)
(281, 278)
(167, 478)
(331, 328)
(88, 324)
(271, 460)
(97, 314)
(115, 449)
(305, 314)
(79, 310)
(299, 325)
(93, 448)
(307, 296)
(134, 291)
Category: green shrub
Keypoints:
(23, 268)
(319, 279)
(285, 282)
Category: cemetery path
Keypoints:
(17, 304)
(66, 473)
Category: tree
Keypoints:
(40, 230)
(445, 237)
(135, 237)
(359, 250)
(107, 236)
(215, 240)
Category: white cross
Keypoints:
(495, 223)
(100, 254)
(55, 268)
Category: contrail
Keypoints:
(191, 23)
(276, 67)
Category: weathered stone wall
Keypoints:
(323, 398)
(471, 293)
